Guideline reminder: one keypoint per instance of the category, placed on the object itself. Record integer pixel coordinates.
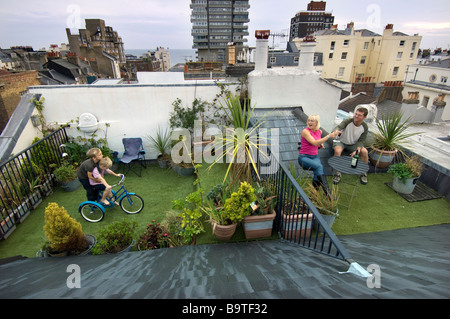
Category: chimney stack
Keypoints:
(262, 49)
(306, 59)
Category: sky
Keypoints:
(147, 24)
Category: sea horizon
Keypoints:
(176, 55)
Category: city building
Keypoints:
(313, 19)
(215, 25)
(163, 55)
(101, 45)
(430, 84)
(356, 56)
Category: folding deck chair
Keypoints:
(134, 155)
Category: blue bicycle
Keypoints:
(130, 203)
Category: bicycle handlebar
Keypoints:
(120, 182)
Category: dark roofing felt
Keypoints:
(414, 263)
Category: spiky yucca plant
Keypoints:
(240, 145)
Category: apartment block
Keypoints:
(100, 45)
(356, 56)
(218, 26)
(313, 19)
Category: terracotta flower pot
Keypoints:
(258, 226)
(296, 225)
(223, 232)
(380, 158)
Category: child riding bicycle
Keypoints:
(103, 167)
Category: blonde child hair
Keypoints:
(105, 162)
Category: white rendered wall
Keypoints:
(129, 110)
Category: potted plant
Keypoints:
(162, 144)
(115, 238)
(182, 163)
(239, 143)
(66, 175)
(260, 222)
(191, 215)
(327, 205)
(224, 220)
(155, 236)
(64, 233)
(391, 137)
(296, 223)
(406, 174)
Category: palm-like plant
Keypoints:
(392, 133)
(161, 142)
(240, 143)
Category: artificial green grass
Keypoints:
(375, 208)
(157, 186)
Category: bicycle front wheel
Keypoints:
(92, 212)
(132, 204)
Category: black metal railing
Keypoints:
(297, 219)
(26, 177)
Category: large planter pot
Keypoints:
(404, 188)
(328, 216)
(296, 225)
(223, 232)
(22, 211)
(184, 171)
(380, 158)
(163, 162)
(91, 240)
(126, 249)
(71, 186)
(258, 226)
(46, 188)
(8, 224)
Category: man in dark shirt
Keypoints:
(84, 172)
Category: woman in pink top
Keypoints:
(311, 140)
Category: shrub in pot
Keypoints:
(260, 222)
(64, 233)
(155, 236)
(66, 175)
(406, 174)
(115, 237)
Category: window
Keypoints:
(395, 72)
(330, 56)
(402, 43)
(366, 45)
(444, 79)
(413, 46)
(399, 55)
(363, 60)
(341, 72)
(346, 42)
(344, 56)
(273, 60)
(332, 45)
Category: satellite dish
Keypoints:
(87, 123)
